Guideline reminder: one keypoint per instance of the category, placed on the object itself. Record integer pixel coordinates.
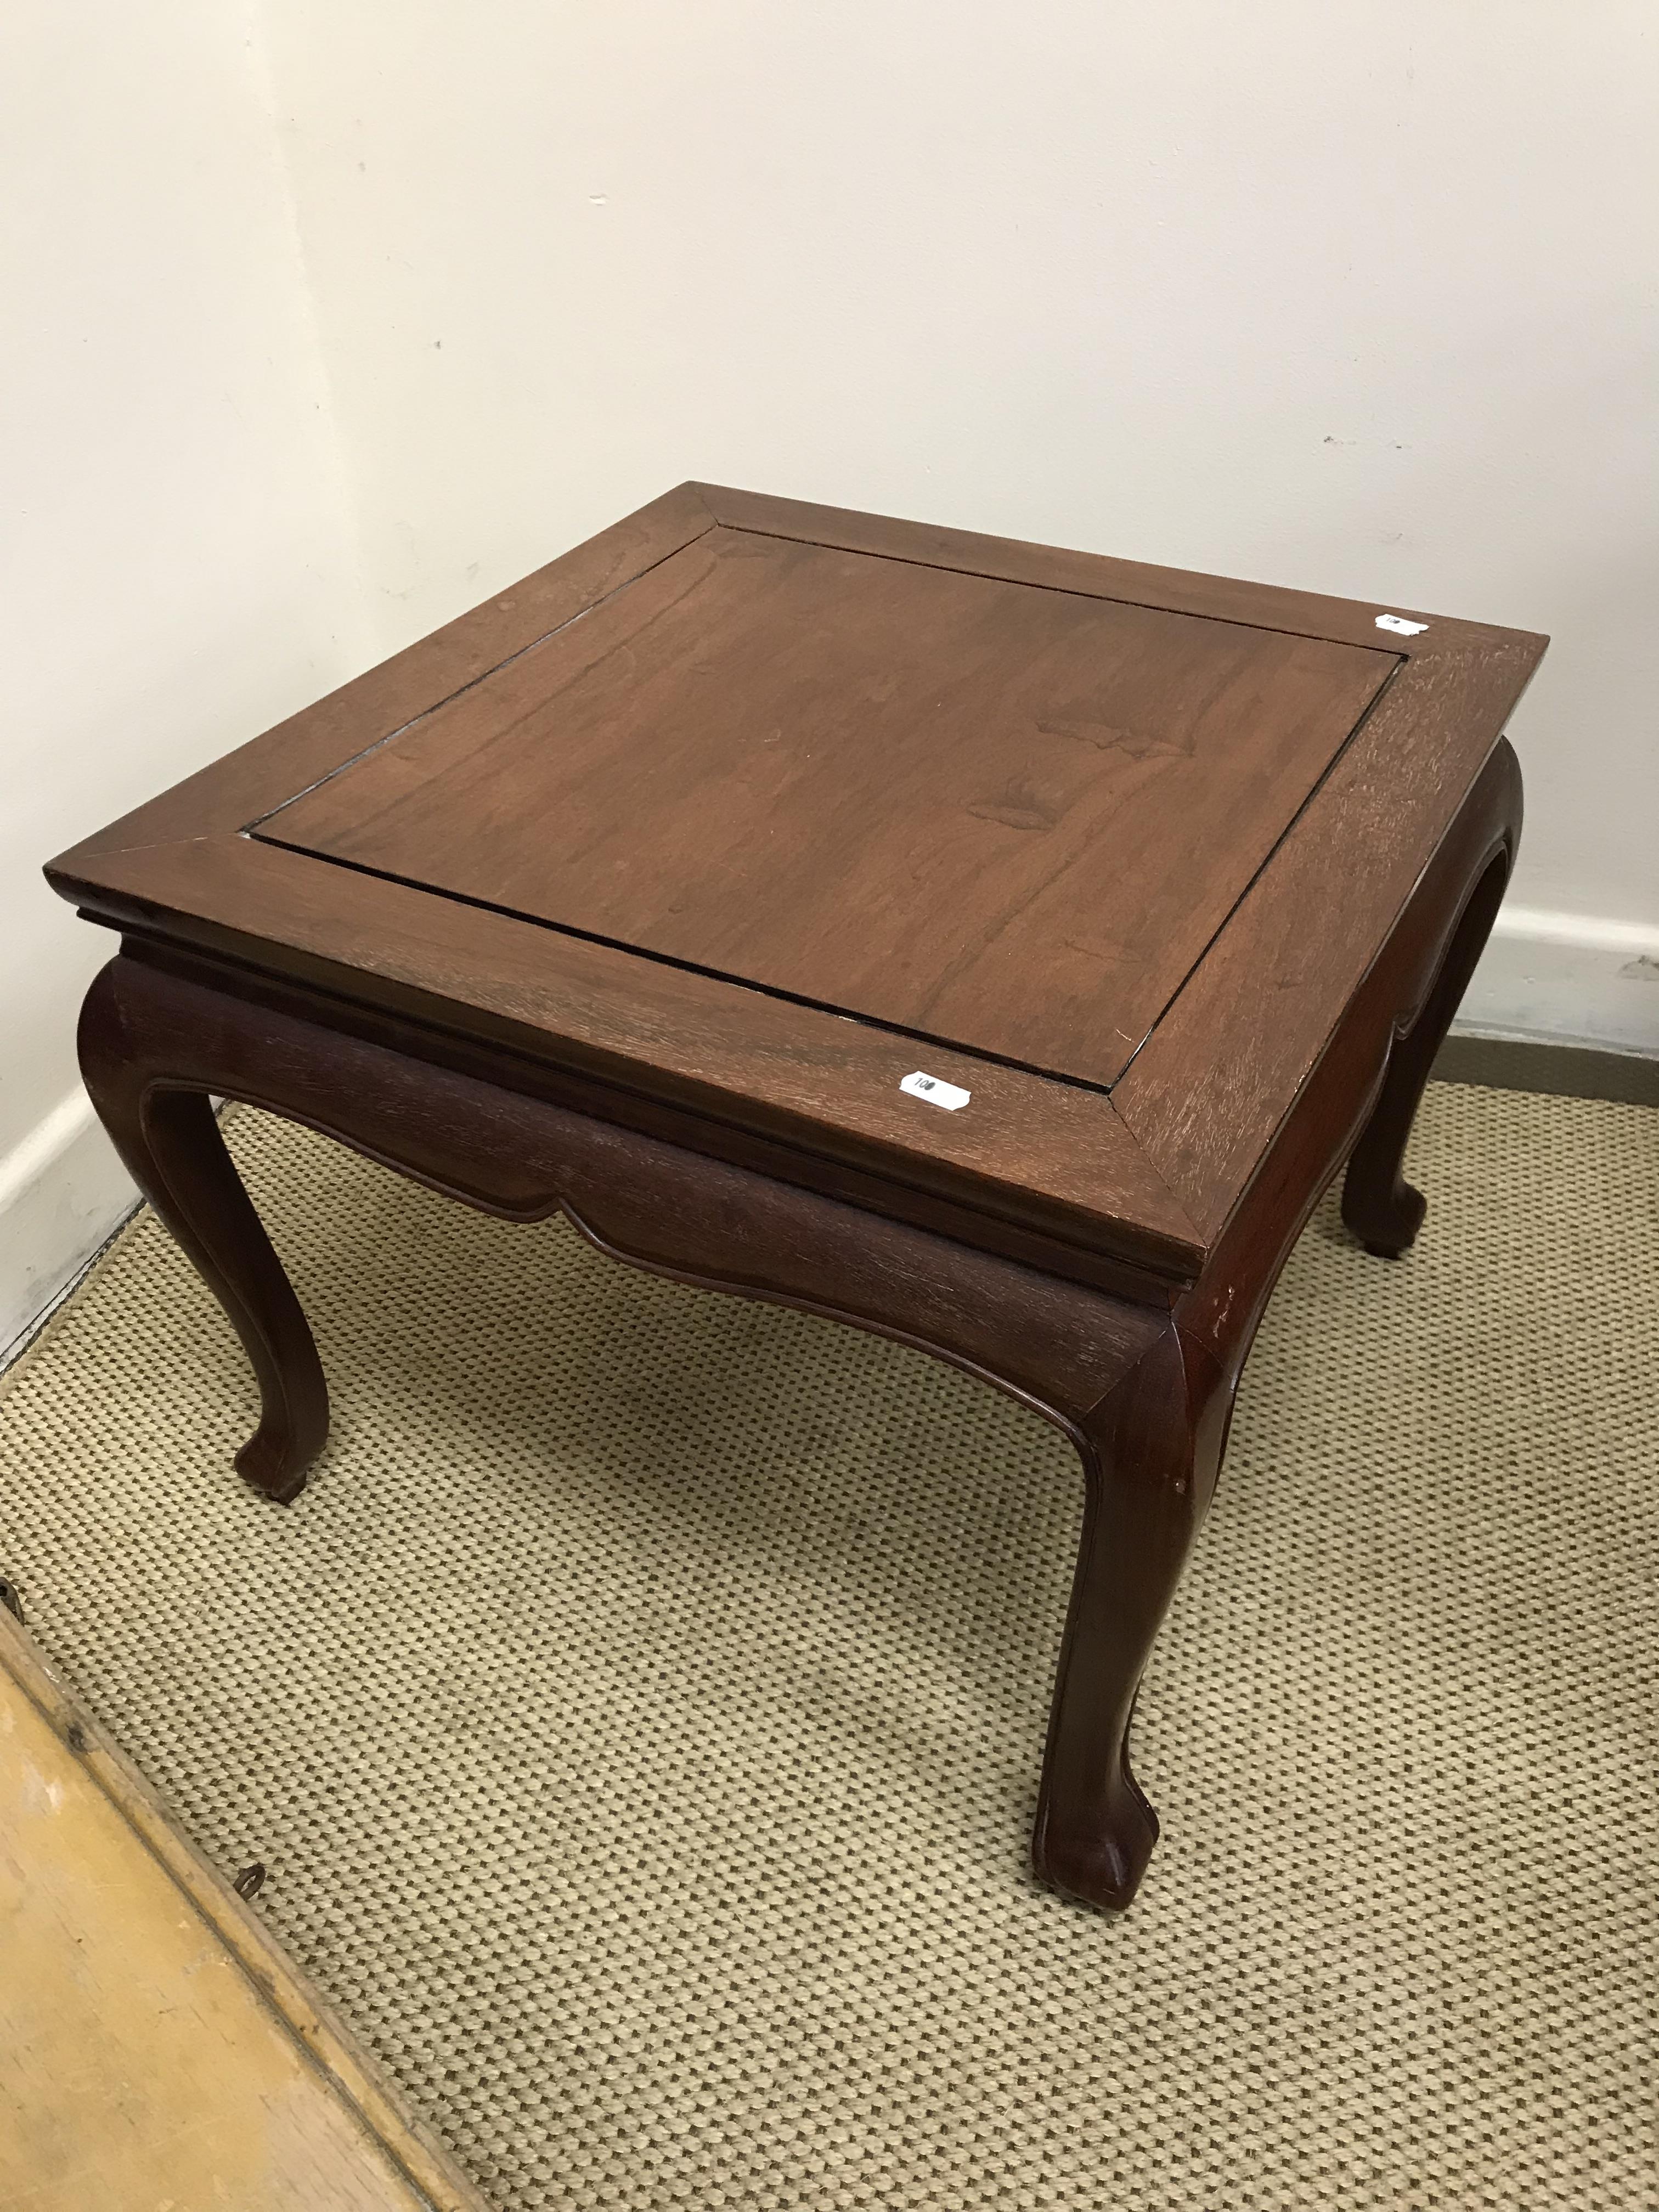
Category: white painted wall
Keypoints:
(178, 569)
(1357, 298)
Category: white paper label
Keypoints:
(1399, 626)
(936, 1092)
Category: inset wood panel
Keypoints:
(1002, 816)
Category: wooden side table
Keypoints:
(996, 947)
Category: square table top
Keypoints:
(761, 809)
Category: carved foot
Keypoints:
(1388, 1227)
(1103, 1868)
(148, 1082)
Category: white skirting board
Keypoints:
(63, 1191)
(1554, 978)
(1547, 978)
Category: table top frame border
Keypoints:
(1150, 1172)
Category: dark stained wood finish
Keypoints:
(758, 1063)
(1105, 1259)
(1145, 1396)
(1152, 1449)
(164, 1128)
(1378, 1205)
(516, 1071)
(1208, 1094)
(1136, 583)
(897, 791)
(1040, 1157)
(154, 1041)
(1347, 1107)
(260, 774)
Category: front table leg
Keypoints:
(1151, 1450)
(1152, 1447)
(169, 1139)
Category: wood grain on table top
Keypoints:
(999, 817)
(1045, 805)
(1050, 1156)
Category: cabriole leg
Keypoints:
(170, 1141)
(1149, 1455)
(1379, 1205)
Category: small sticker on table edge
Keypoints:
(935, 1090)
(1399, 626)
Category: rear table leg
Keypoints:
(1378, 1205)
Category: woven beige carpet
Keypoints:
(640, 1716)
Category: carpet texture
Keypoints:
(640, 1716)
